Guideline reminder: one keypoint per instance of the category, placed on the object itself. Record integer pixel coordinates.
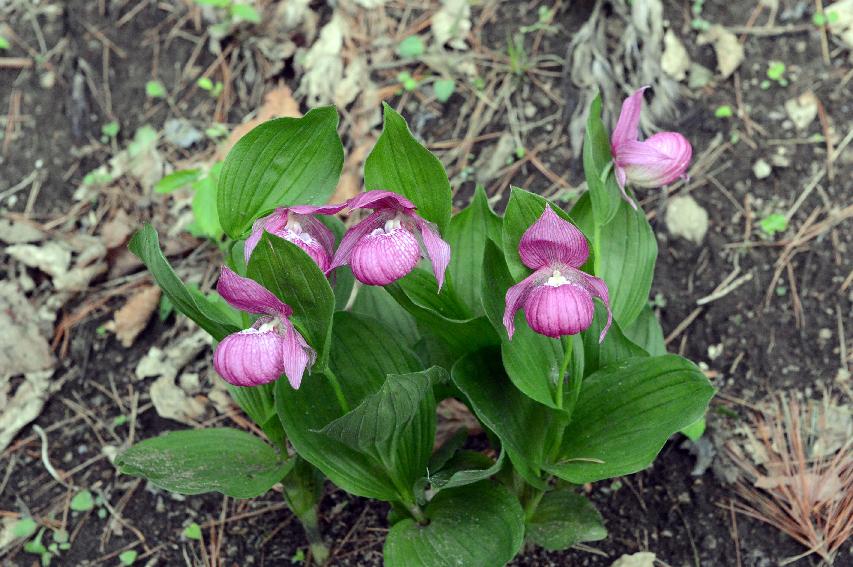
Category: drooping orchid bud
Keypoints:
(384, 247)
(269, 348)
(654, 162)
(558, 297)
(298, 225)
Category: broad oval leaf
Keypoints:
(615, 348)
(646, 332)
(363, 354)
(399, 163)
(563, 518)
(286, 161)
(467, 235)
(478, 525)
(527, 429)
(626, 246)
(289, 272)
(375, 301)
(604, 193)
(626, 412)
(195, 461)
(146, 245)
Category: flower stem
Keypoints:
(336, 386)
(417, 513)
(567, 357)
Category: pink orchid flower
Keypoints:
(383, 247)
(557, 298)
(657, 161)
(297, 225)
(269, 348)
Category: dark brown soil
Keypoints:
(684, 519)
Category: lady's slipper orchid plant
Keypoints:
(384, 247)
(557, 297)
(380, 360)
(270, 347)
(654, 162)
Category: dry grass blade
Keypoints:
(798, 473)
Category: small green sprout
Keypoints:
(775, 72)
(216, 131)
(520, 152)
(193, 531)
(245, 13)
(724, 111)
(128, 557)
(823, 18)
(110, 129)
(443, 89)
(298, 557)
(773, 223)
(478, 83)
(119, 420)
(4, 43)
(155, 89)
(409, 83)
(83, 501)
(205, 84)
(412, 46)
(25, 527)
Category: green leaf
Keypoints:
(646, 332)
(463, 468)
(527, 429)
(24, 528)
(399, 163)
(146, 245)
(128, 557)
(303, 488)
(4, 43)
(83, 501)
(615, 348)
(773, 223)
(604, 194)
(177, 179)
(289, 272)
(524, 209)
(626, 412)
(195, 461)
(479, 525)
(469, 229)
(412, 46)
(206, 218)
(695, 430)
(374, 301)
(443, 89)
(564, 518)
(394, 427)
(281, 162)
(193, 531)
(110, 129)
(246, 13)
(259, 404)
(627, 246)
(364, 352)
(155, 89)
(443, 314)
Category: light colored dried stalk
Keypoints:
(799, 474)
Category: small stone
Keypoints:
(47, 80)
(530, 110)
(761, 169)
(686, 218)
(709, 542)
(802, 110)
(824, 334)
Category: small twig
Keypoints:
(720, 293)
(45, 458)
(683, 325)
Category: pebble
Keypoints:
(530, 110)
(824, 334)
(686, 218)
(761, 169)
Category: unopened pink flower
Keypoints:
(656, 161)
(384, 247)
(558, 297)
(298, 225)
(269, 348)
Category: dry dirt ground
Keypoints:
(73, 67)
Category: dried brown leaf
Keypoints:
(278, 103)
(132, 318)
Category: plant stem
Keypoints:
(336, 386)
(417, 513)
(567, 357)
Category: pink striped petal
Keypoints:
(518, 294)
(348, 243)
(436, 248)
(378, 199)
(380, 257)
(627, 127)
(597, 288)
(248, 295)
(273, 223)
(657, 161)
(552, 240)
(318, 209)
(296, 355)
(250, 358)
(555, 311)
(301, 229)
